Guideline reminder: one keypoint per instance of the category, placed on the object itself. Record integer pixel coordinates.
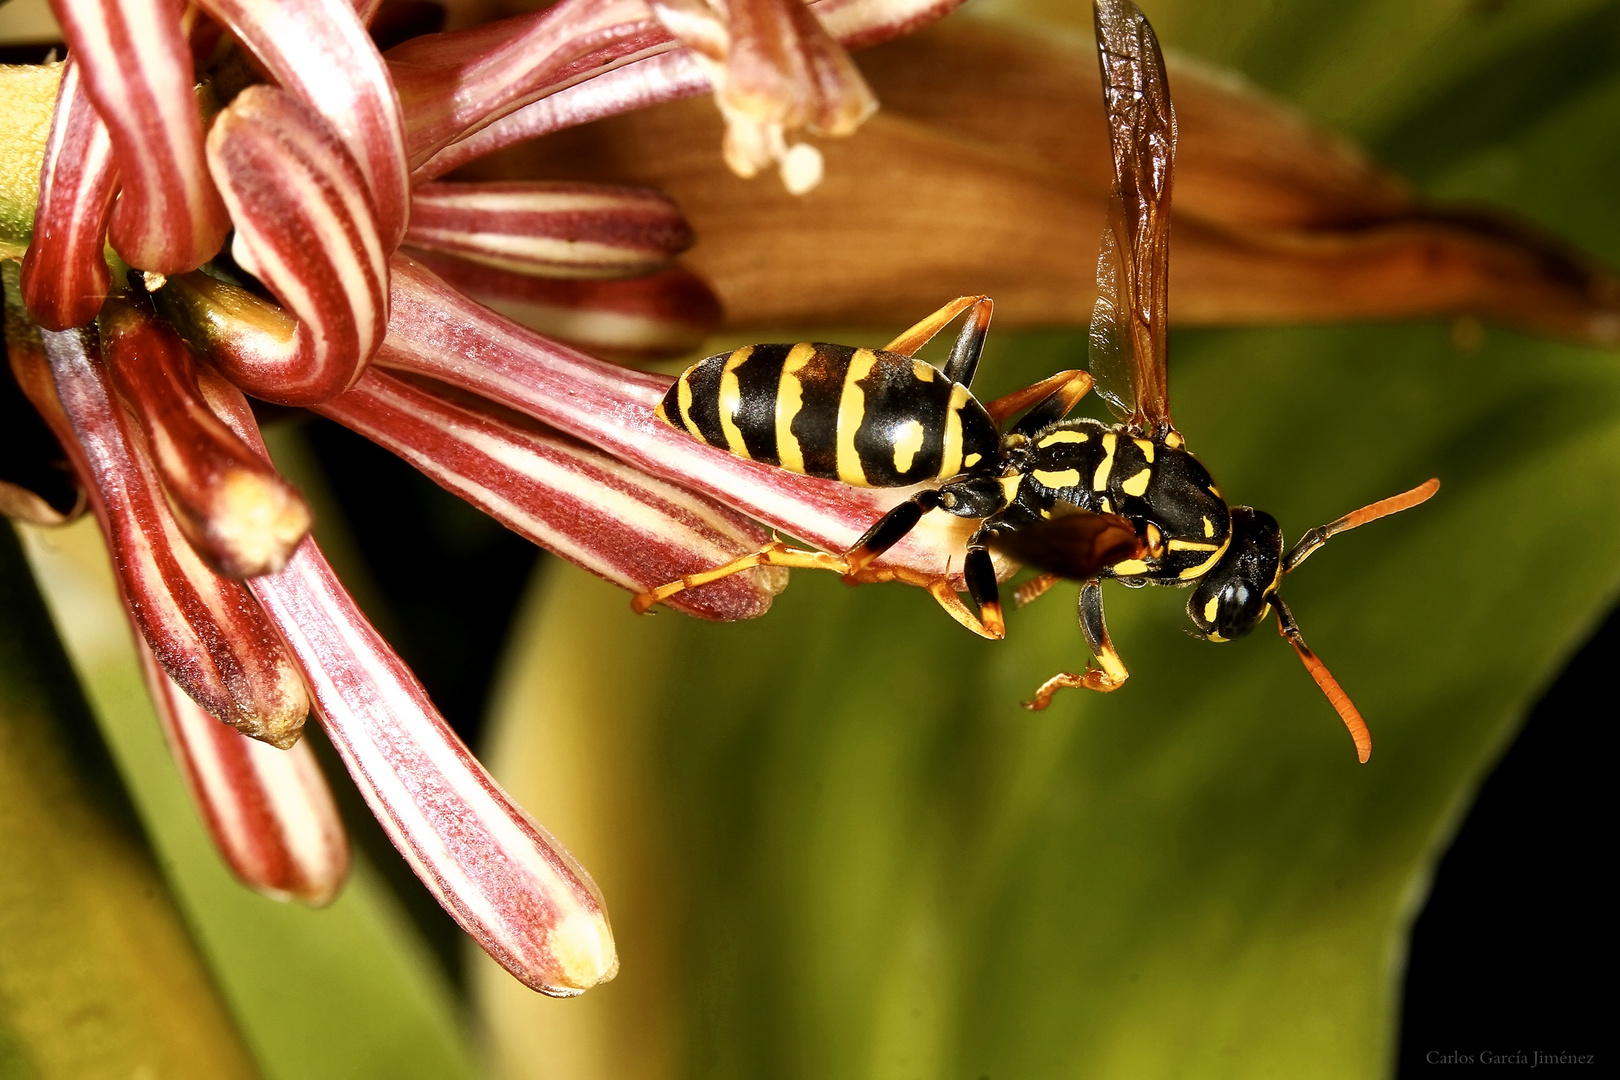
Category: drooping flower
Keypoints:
(282, 125)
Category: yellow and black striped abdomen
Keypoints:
(863, 416)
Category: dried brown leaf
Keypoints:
(987, 172)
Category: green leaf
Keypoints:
(98, 978)
(347, 991)
(832, 843)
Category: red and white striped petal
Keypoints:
(591, 509)
(319, 51)
(205, 630)
(507, 881)
(306, 227)
(269, 811)
(665, 72)
(236, 510)
(64, 273)
(550, 228)
(137, 70)
(453, 84)
(664, 314)
(436, 332)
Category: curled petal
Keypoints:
(320, 52)
(236, 510)
(306, 227)
(269, 811)
(434, 331)
(550, 229)
(137, 70)
(663, 314)
(64, 273)
(205, 630)
(451, 85)
(579, 503)
(663, 73)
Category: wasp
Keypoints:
(1073, 499)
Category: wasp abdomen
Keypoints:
(862, 416)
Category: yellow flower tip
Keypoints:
(260, 520)
(582, 947)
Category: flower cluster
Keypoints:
(280, 127)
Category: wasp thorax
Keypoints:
(1235, 596)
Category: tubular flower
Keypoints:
(283, 127)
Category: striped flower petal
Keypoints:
(663, 314)
(38, 483)
(205, 630)
(453, 84)
(591, 509)
(320, 52)
(634, 80)
(64, 273)
(137, 70)
(236, 510)
(550, 229)
(507, 881)
(269, 811)
(306, 227)
(436, 332)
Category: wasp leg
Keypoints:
(980, 574)
(1033, 589)
(890, 529)
(969, 343)
(1052, 399)
(1111, 675)
(775, 553)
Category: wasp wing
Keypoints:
(1142, 136)
(1073, 543)
(1112, 375)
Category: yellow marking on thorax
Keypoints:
(789, 400)
(950, 462)
(731, 399)
(1100, 481)
(1063, 437)
(1174, 440)
(923, 370)
(1191, 545)
(1107, 505)
(1204, 567)
(1010, 486)
(658, 411)
(1130, 568)
(1209, 527)
(683, 399)
(851, 411)
(1146, 447)
(1066, 478)
(969, 461)
(1138, 484)
(906, 444)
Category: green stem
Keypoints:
(29, 94)
(98, 976)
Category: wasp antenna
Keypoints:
(1372, 512)
(1289, 629)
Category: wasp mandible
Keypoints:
(1073, 499)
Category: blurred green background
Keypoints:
(833, 845)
